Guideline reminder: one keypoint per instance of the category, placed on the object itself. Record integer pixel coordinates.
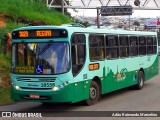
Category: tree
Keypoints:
(136, 23)
(83, 23)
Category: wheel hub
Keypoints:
(93, 93)
(141, 81)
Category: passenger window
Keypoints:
(123, 40)
(154, 41)
(154, 49)
(133, 41)
(124, 46)
(142, 50)
(149, 40)
(142, 40)
(112, 48)
(133, 46)
(154, 45)
(96, 47)
(142, 45)
(149, 45)
(149, 49)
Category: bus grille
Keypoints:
(36, 79)
(29, 88)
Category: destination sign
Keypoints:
(48, 33)
(24, 69)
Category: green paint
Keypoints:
(70, 93)
(78, 91)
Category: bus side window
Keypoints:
(78, 52)
(154, 45)
(149, 45)
(96, 47)
(142, 45)
(112, 49)
(124, 46)
(133, 46)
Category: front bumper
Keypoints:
(63, 95)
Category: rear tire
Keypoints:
(140, 81)
(94, 94)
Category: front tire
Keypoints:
(94, 94)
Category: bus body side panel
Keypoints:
(121, 73)
(117, 75)
(152, 70)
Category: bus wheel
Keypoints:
(94, 94)
(140, 81)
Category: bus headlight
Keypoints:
(16, 87)
(55, 88)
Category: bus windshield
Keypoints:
(40, 58)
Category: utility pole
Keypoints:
(129, 19)
(62, 6)
(129, 22)
(98, 17)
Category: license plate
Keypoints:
(34, 96)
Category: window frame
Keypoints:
(72, 44)
(101, 47)
(142, 45)
(124, 46)
(116, 46)
(133, 46)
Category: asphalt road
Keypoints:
(147, 99)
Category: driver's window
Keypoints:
(78, 52)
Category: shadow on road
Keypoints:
(55, 107)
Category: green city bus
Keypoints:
(53, 64)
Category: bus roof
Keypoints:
(90, 30)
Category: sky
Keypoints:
(136, 13)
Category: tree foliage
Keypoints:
(84, 23)
(136, 23)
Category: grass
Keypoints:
(8, 28)
(32, 11)
(5, 64)
(4, 79)
(5, 95)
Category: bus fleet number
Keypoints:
(47, 84)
